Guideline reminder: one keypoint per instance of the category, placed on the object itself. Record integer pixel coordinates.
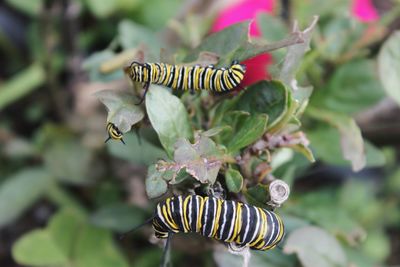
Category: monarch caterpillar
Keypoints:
(186, 77)
(114, 133)
(224, 220)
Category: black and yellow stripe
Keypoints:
(114, 133)
(187, 77)
(224, 220)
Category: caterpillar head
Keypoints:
(133, 70)
(114, 133)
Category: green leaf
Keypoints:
(75, 164)
(315, 248)
(202, 160)
(121, 107)
(94, 247)
(31, 8)
(272, 27)
(132, 35)
(266, 97)
(305, 150)
(119, 217)
(155, 184)
(251, 130)
(343, 222)
(325, 142)
(21, 84)
(216, 131)
(304, 10)
(352, 88)
(102, 9)
(234, 180)
(20, 191)
(351, 141)
(257, 195)
(273, 258)
(139, 152)
(377, 245)
(389, 66)
(293, 59)
(158, 14)
(232, 43)
(168, 117)
(64, 228)
(37, 248)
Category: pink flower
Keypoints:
(364, 11)
(256, 68)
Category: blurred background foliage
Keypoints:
(65, 195)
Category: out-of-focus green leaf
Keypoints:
(168, 116)
(121, 107)
(132, 35)
(351, 141)
(94, 247)
(31, 8)
(325, 145)
(377, 245)
(234, 180)
(92, 65)
(37, 248)
(19, 148)
(63, 229)
(20, 191)
(75, 164)
(119, 217)
(352, 88)
(315, 248)
(139, 152)
(292, 222)
(149, 12)
(21, 84)
(251, 130)
(304, 10)
(272, 27)
(102, 9)
(358, 258)
(339, 35)
(342, 222)
(389, 66)
(273, 258)
(266, 97)
(155, 184)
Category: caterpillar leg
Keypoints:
(165, 260)
(146, 88)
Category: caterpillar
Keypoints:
(225, 220)
(186, 77)
(114, 133)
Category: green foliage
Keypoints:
(320, 86)
(68, 239)
(21, 189)
(168, 117)
(388, 60)
(21, 84)
(315, 247)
